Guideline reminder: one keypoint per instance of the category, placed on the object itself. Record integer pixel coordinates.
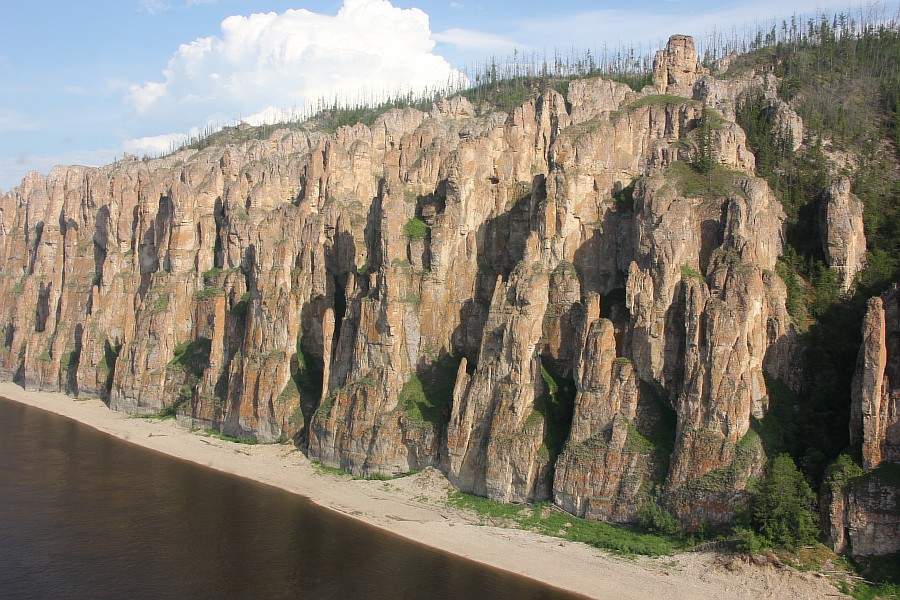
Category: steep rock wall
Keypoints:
(546, 303)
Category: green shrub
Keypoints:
(689, 273)
(241, 439)
(656, 519)
(192, 356)
(415, 229)
(842, 471)
(624, 198)
(324, 407)
(745, 540)
(159, 302)
(555, 406)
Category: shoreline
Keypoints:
(414, 508)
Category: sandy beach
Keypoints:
(415, 507)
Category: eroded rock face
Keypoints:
(676, 68)
(842, 231)
(863, 517)
(616, 450)
(875, 413)
(547, 303)
(863, 514)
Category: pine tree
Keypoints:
(703, 160)
(781, 508)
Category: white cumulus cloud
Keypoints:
(157, 144)
(266, 65)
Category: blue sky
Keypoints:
(82, 82)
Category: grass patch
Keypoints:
(689, 273)
(325, 407)
(426, 397)
(209, 292)
(554, 406)
(717, 182)
(880, 591)
(228, 438)
(656, 438)
(366, 381)
(635, 442)
(19, 288)
(159, 302)
(617, 539)
(323, 469)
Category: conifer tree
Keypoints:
(703, 159)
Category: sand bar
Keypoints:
(414, 507)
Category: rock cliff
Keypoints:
(862, 513)
(843, 237)
(550, 303)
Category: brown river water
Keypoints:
(85, 515)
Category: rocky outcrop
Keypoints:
(875, 412)
(862, 514)
(862, 517)
(621, 435)
(842, 232)
(549, 303)
(676, 68)
(726, 95)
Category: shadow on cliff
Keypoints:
(500, 246)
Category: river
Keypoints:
(85, 515)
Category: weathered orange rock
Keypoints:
(297, 286)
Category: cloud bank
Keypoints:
(268, 66)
